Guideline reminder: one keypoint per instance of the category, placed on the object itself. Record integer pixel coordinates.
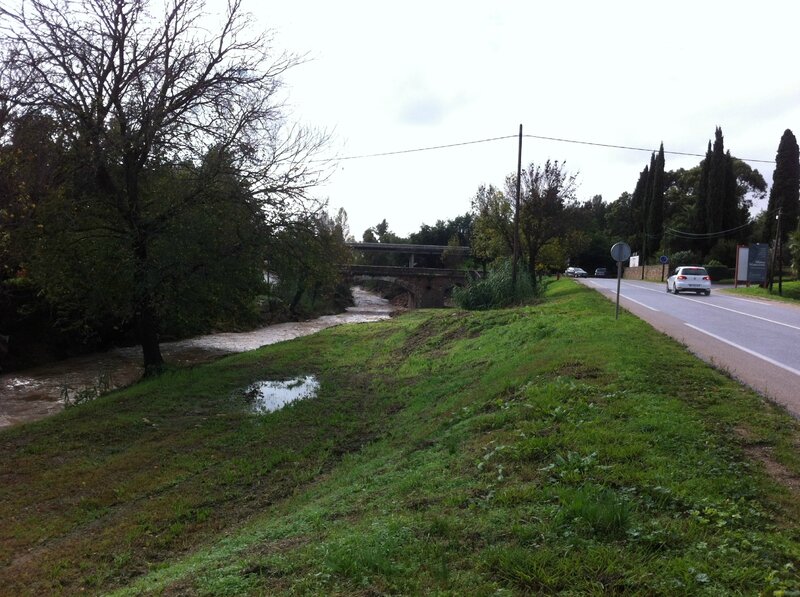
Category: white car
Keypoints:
(691, 279)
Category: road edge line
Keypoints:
(747, 350)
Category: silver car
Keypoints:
(691, 279)
(576, 272)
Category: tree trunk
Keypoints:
(532, 257)
(147, 327)
(301, 288)
(147, 323)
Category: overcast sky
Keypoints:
(394, 76)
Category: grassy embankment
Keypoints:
(791, 291)
(546, 449)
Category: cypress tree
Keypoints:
(701, 203)
(785, 192)
(647, 241)
(715, 198)
(655, 212)
(639, 206)
(731, 214)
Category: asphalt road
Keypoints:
(757, 342)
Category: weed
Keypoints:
(599, 510)
(497, 290)
(76, 396)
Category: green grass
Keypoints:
(791, 291)
(538, 450)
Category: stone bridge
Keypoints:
(427, 286)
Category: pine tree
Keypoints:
(785, 192)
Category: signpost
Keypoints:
(664, 261)
(620, 252)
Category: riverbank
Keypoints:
(536, 450)
(39, 392)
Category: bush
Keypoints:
(683, 258)
(724, 252)
(794, 249)
(719, 272)
(495, 291)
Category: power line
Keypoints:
(700, 235)
(608, 145)
(431, 148)
(540, 137)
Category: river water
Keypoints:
(38, 392)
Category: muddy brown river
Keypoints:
(35, 393)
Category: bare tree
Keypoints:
(135, 92)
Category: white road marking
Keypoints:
(794, 327)
(730, 296)
(747, 350)
(661, 291)
(757, 302)
(706, 303)
(627, 298)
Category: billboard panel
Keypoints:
(757, 262)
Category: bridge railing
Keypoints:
(411, 250)
(407, 248)
(409, 272)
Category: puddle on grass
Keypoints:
(268, 396)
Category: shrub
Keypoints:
(794, 249)
(496, 291)
(724, 251)
(719, 272)
(683, 258)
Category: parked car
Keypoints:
(689, 278)
(600, 272)
(576, 272)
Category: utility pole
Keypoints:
(644, 243)
(775, 254)
(516, 218)
(780, 254)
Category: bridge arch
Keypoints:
(399, 283)
(426, 286)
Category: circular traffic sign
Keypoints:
(621, 252)
(664, 259)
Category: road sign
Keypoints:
(621, 252)
(664, 259)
